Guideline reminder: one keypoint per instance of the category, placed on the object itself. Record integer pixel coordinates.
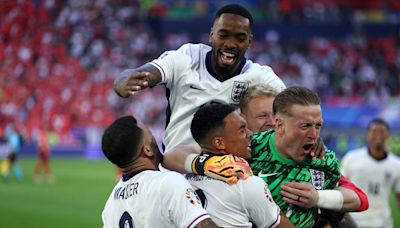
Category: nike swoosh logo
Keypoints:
(260, 174)
(192, 87)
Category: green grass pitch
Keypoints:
(75, 199)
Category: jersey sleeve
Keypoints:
(262, 209)
(172, 63)
(345, 183)
(179, 199)
(271, 79)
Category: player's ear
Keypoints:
(279, 125)
(218, 143)
(147, 151)
(250, 39)
(210, 35)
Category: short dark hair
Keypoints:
(235, 9)
(378, 121)
(208, 119)
(294, 95)
(121, 141)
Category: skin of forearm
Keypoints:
(175, 158)
(351, 202)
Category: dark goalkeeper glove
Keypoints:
(228, 168)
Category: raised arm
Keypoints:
(132, 80)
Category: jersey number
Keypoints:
(373, 188)
(126, 221)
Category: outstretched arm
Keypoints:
(132, 80)
(188, 159)
(176, 158)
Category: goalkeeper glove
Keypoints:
(228, 168)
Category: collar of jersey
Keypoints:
(215, 75)
(128, 176)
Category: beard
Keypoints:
(158, 157)
(379, 146)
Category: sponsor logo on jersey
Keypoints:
(261, 174)
(317, 178)
(238, 89)
(196, 88)
(192, 197)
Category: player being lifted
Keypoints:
(197, 73)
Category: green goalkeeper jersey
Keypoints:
(276, 170)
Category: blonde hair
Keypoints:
(292, 96)
(256, 91)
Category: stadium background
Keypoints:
(58, 60)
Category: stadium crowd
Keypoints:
(58, 59)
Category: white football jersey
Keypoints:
(189, 83)
(377, 179)
(153, 199)
(239, 204)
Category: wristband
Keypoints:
(330, 199)
(188, 162)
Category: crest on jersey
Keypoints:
(192, 197)
(238, 89)
(317, 178)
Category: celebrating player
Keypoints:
(256, 108)
(219, 129)
(279, 155)
(197, 73)
(146, 197)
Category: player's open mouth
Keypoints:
(249, 146)
(307, 147)
(227, 58)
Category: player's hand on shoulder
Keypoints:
(228, 168)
